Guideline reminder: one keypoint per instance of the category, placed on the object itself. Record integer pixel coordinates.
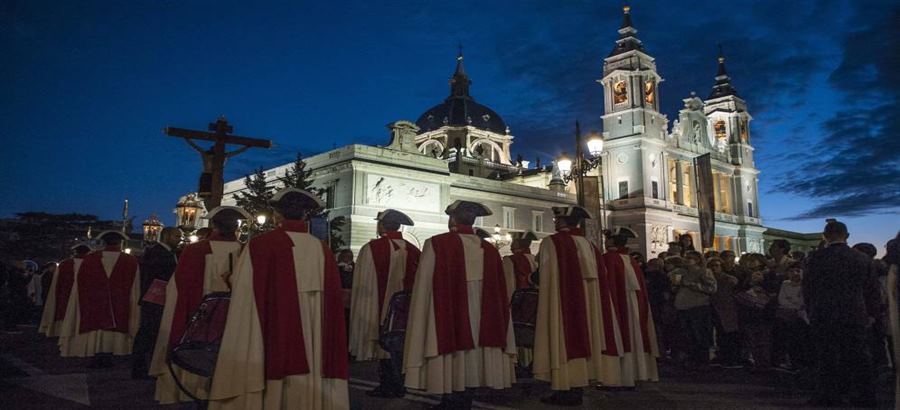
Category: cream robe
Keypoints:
(365, 317)
(167, 392)
(72, 343)
(550, 358)
(637, 364)
(239, 381)
(479, 367)
(49, 325)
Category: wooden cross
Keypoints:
(212, 180)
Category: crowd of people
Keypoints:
(455, 315)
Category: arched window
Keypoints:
(620, 92)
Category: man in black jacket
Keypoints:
(841, 294)
(157, 263)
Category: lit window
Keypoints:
(620, 92)
(509, 218)
(720, 129)
(537, 222)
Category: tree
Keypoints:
(299, 177)
(256, 198)
(47, 237)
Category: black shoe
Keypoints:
(386, 392)
(562, 399)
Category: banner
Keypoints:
(592, 227)
(706, 199)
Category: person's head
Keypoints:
(619, 241)
(675, 249)
(711, 254)
(663, 255)
(686, 241)
(892, 256)
(112, 238)
(715, 265)
(693, 258)
(835, 231)
(798, 255)
(170, 236)
(345, 256)
(779, 248)
(224, 219)
(727, 258)
(522, 241)
(202, 233)
(637, 256)
(753, 261)
(390, 220)
(795, 272)
(867, 249)
(464, 213)
(654, 264)
(80, 249)
(673, 262)
(569, 217)
(295, 204)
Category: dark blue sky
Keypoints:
(85, 88)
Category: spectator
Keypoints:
(779, 252)
(711, 254)
(798, 256)
(725, 317)
(675, 249)
(345, 267)
(791, 330)
(694, 285)
(658, 294)
(841, 295)
(686, 242)
(892, 260)
(879, 331)
(755, 312)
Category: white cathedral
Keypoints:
(461, 149)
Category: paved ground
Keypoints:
(33, 376)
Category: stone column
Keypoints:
(679, 177)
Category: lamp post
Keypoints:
(152, 228)
(499, 239)
(576, 169)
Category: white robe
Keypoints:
(49, 325)
(365, 317)
(73, 343)
(239, 381)
(167, 392)
(479, 367)
(638, 364)
(550, 358)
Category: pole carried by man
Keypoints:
(202, 269)
(285, 344)
(103, 315)
(459, 334)
(639, 343)
(576, 337)
(60, 289)
(385, 266)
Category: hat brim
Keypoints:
(229, 212)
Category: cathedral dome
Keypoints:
(460, 109)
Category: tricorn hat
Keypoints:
(468, 206)
(104, 234)
(394, 216)
(574, 211)
(81, 245)
(524, 236)
(227, 213)
(304, 199)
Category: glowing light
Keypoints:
(595, 145)
(261, 219)
(193, 238)
(564, 164)
(128, 251)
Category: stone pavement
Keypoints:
(33, 376)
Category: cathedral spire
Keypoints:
(723, 86)
(459, 83)
(627, 35)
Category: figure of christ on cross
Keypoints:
(212, 180)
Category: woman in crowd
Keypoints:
(694, 286)
(725, 317)
(756, 312)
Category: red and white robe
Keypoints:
(385, 266)
(459, 333)
(577, 336)
(102, 315)
(58, 296)
(639, 344)
(518, 268)
(284, 345)
(199, 272)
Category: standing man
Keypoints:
(202, 269)
(386, 265)
(60, 289)
(103, 315)
(576, 337)
(157, 264)
(521, 265)
(841, 294)
(284, 345)
(459, 333)
(639, 344)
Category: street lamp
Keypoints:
(576, 170)
(152, 228)
(565, 166)
(499, 239)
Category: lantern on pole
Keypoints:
(152, 228)
(187, 212)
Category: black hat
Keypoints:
(468, 206)
(394, 216)
(297, 197)
(227, 214)
(81, 247)
(103, 235)
(571, 211)
(524, 236)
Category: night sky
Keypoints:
(85, 88)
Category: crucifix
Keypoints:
(212, 180)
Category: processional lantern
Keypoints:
(152, 228)
(187, 212)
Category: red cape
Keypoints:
(105, 303)
(616, 268)
(522, 269)
(65, 278)
(571, 294)
(189, 275)
(451, 299)
(275, 288)
(381, 256)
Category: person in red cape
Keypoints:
(202, 269)
(385, 266)
(459, 332)
(639, 343)
(576, 335)
(103, 315)
(521, 265)
(60, 290)
(285, 342)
